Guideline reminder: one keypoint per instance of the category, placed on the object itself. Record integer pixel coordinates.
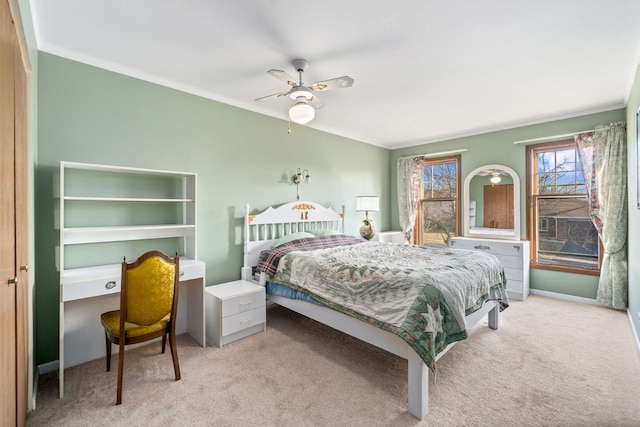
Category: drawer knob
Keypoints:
(181, 273)
(110, 284)
(517, 248)
(482, 247)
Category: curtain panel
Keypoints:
(409, 170)
(603, 155)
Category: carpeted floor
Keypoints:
(551, 363)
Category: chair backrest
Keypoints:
(149, 288)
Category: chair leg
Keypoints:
(164, 342)
(108, 344)
(174, 354)
(120, 369)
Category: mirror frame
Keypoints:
(516, 204)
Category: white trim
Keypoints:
(45, 368)
(566, 297)
(440, 154)
(633, 329)
(553, 137)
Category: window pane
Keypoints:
(569, 237)
(440, 181)
(438, 220)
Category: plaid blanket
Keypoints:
(269, 259)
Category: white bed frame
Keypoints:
(261, 229)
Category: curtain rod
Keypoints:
(442, 153)
(550, 138)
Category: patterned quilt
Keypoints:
(419, 293)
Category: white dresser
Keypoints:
(514, 255)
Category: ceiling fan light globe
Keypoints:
(495, 179)
(302, 113)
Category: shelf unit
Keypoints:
(110, 212)
(472, 213)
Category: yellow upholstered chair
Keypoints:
(148, 306)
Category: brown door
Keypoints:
(13, 227)
(498, 206)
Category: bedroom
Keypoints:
(89, 114)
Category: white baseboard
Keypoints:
(45, 368)
(41, 370)
(633, 329)
(566, 297)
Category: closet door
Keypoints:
(8, 273)
(498, 206)
(13, 227)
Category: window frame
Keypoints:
(417, 229)
(532, 219)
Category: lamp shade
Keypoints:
(367, 204)
(302, 113)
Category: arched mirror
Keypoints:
(492, 203)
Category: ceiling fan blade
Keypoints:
(283, 76)
(275, 95)
(337, 83)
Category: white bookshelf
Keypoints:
(107, 213)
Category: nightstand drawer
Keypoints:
(242, 303)
(240, 321)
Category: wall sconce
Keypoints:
(301, 177)
(367, 204)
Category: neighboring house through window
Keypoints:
(559, 226)
(438, 216)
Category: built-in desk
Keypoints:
(86, 293)
(109, 212)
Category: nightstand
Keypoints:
(234, 310)
(390, 237)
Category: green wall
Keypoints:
(498, 147)
(87, 114)
(633, 243)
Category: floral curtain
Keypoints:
(603, 155)
(409, 170)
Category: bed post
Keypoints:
(418, 385)
(493, 318)
(246, 268)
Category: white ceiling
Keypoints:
(424, 70)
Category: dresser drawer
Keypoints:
(244, 320)
(512, 254)
(242, 303)
(495, 247)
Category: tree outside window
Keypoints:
(564, 237)
(438, 218)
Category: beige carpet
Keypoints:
(551, 363)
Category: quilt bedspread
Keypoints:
(419, 293)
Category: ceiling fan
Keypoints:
(495, 175)
(306, 102)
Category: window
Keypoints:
(565, 239)
(438, 219)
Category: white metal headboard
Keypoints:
(261, 229)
